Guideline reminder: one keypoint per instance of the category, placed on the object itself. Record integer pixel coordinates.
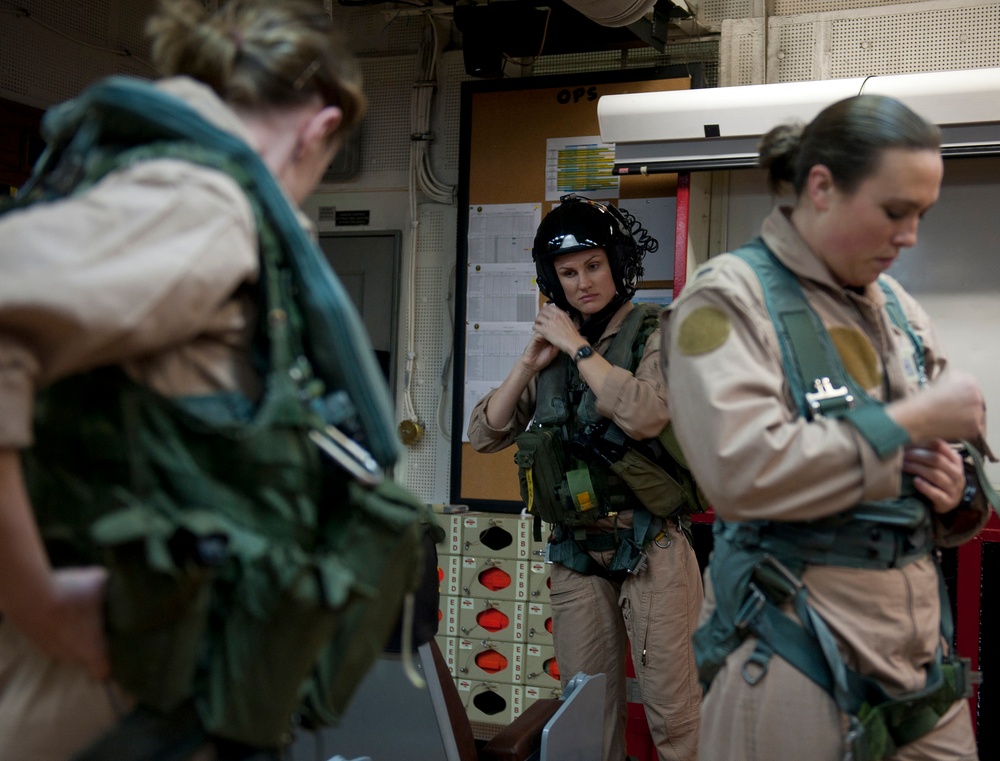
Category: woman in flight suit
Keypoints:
(153, 269)
(864, 172)
(587, 262)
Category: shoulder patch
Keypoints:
(858, 355)
(702, 331)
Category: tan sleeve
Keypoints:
(138, 263)
(753, 455)
(484, 438)
(637, 403)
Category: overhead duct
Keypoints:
(649, 20)
(494, 32)
(719, 128)
(612, 12)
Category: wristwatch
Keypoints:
(582, 353)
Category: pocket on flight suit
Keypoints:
(662, 605)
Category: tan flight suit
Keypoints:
(756, 458)
(147, 269)
(657, 609)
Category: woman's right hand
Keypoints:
(949, 408)
(538, 354)
(938, 473)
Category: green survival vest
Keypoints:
(576, 466)
(756, 565)
(252, 578)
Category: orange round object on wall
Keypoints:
(495, 579)
(491, 661)
(493, 620)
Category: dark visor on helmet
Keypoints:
(587, 230)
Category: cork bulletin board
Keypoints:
(510, 131)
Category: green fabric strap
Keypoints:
(878, 429)
(801, 327)
(581, 490)
(551, 392)
(898, 318)
(567, 554)
(820, 385)
(570, 548)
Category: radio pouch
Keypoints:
(541, 471)
(655, 488)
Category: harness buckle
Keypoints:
(966, 679)
(854, 749)
(826, 396)
(640, 563)
(754, 668)
(348, 454)
(751, 608)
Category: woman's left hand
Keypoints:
(558, 328)
(938, 471)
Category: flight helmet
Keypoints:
(578, 224)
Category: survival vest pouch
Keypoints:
(758, 564)
(250, 577)
(575, 466)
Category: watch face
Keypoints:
(583, 352)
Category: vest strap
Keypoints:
(801, 326)
(581, 490)
(820, 385)
(551, 405)
(855, 544)
(570, 547)
(878, 429)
